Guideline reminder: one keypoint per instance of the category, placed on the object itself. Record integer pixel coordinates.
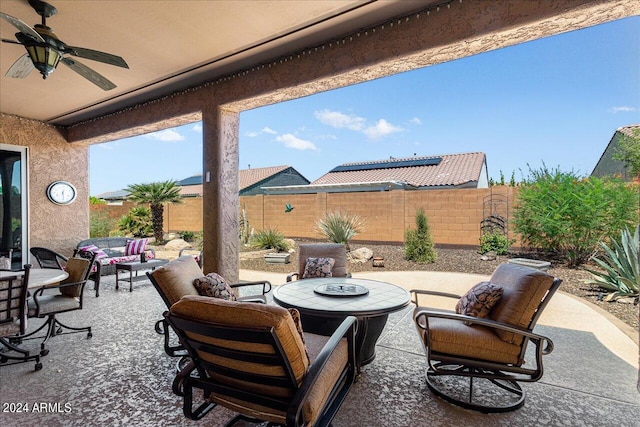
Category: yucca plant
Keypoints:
(621, 266)
(270, 238)
(340, 227)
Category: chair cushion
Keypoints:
(53, 304)
(135, 247)
(175, 279)
(214, 285)
(248, 314)
(523, 291)
(77, 269)
(479, 300)
(318, 267)
(453, 337)
(10, 328)
(5, 263)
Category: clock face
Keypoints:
(61, 192)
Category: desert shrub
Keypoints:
(244, 229)
(340, 227)
(137, 222)
(100, 224)
(187, 236)
(559, 212)
(418, 243)
(621, 266)
(495, 241)
(270, 238)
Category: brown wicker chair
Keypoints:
(466, 353)
(336, 251)
(250, 358)
(13, 317)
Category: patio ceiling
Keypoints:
(170, 45)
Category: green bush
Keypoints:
(621, 266)
(100, 224)
(561, 213)
(340, 227)
(187, 236)
(137, 222)
(418, 243)
(495, 241)
(270, 238)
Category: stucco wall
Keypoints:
(51, 158)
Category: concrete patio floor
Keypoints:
(121, 376)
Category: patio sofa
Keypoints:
(114, 247)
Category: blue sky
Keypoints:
(556, 100)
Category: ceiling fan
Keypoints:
(45, 50)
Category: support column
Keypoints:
(220, 192)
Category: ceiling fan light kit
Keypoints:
(45, 50)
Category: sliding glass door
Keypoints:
(13, 203)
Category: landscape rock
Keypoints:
(292, 245)
(360, 255)
(176, 245)
(489, 256)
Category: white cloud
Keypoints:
(197, 128)
(382, 128)
(167, 135)
(292, 141)
(623, 109)
(339, 120)
(252, 134)
(415, 121)
(268, 130)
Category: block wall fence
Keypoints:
(454, 215)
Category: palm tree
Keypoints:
(156, 194)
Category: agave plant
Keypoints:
(340, 227)
(621, 266)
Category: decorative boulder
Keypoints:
(360, 255)
(176, 245)
(292, 245)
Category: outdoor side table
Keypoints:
(137, 266)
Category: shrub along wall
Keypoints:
(454, 215)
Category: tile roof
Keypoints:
(249, 177)
(452, 170)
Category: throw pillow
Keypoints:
(214, 285)
(135, 247)
(100, 254)
(318, 267)
(295, 315)
(479, 300)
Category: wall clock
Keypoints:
(61, 192)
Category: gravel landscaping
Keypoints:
(466, 261)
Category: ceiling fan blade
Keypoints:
(10, 41)
(24, 28)
(96, 55)
(93, 76)
(21, 68)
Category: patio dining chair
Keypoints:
(476, 355)
(252, 359)
(51, 300)
(321, 260)
(48, 258)
(13, 317)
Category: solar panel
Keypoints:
(433, 161)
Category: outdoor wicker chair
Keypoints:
(48, 258)
(333, 251)
(476, 362)
(251, 358)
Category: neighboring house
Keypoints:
(466, 170)
(607, 165)
(251, 181)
